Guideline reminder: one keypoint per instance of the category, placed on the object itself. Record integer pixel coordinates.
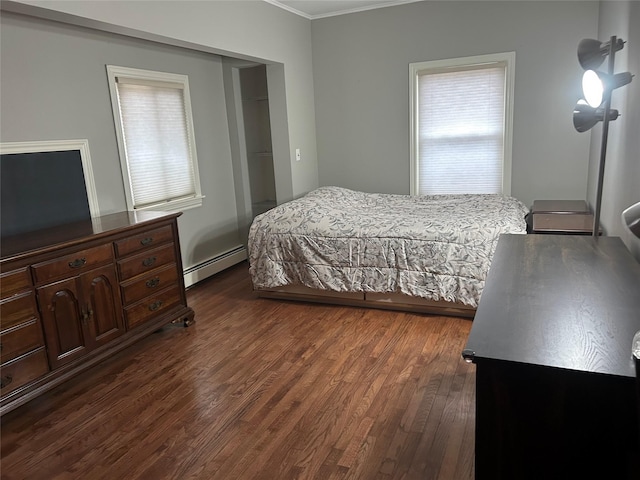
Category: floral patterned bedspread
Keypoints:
(438, 247)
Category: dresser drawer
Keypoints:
(20, 340)
(149, 239)
(146, 261)
(156, 280)
(23, 370)
(17, 310)
(152, 306)
(14, 282)
(73, 264)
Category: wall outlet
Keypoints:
(298, 156)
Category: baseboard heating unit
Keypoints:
(214, 265)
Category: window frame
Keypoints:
(154, 78)
(456, 64)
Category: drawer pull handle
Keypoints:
(155, 305)
(146, 241)
(6, 380)
(147, 262)
(153, 282)
(78, 262)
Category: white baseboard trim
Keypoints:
(214, 265)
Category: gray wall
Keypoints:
(361, 82)
(621, 186)
(54, 87)
(247, 29)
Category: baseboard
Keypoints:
(214, 265)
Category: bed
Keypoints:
(427, 253)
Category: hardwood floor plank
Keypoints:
(260, 389)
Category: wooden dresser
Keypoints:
(74, 295)
(556, 384)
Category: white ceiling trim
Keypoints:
(390, 3)
(288, 8)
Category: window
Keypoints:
(461, 116)
(154, 128)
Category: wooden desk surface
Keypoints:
(564, 301)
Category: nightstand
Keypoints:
(561, 217)
(560, 206)
(563, 223)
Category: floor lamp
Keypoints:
(596, 106)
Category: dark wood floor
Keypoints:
(261, 389)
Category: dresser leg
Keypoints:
(186, 320)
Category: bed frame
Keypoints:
(386, 301)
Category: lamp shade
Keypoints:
(591, 53)
(631, 219)
(585, 116)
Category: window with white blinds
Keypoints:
(154, 126)
(461, 125)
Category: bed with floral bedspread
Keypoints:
(437, 247)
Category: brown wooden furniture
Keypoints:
(563, 224)
(560, 206)
(75, 294)
(551, 340)
(561, 217)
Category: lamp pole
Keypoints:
(605, 135)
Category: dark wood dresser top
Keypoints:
(563, 301)
(77, 232)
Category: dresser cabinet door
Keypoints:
(64, 318)
(104, 312)
(80, 314)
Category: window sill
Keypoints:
(174, 205)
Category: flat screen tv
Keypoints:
(44, 184)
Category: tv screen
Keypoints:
(40, 190)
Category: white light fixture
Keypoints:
(595, 84)
(592, 88)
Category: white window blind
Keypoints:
(461, 128)
(156, 139)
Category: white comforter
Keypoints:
(437, 247)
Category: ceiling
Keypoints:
(313, 9)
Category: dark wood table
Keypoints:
(555, 381)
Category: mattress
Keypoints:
(437, 247)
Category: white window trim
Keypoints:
(177, 81)
(416, 68)
(42, 146)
